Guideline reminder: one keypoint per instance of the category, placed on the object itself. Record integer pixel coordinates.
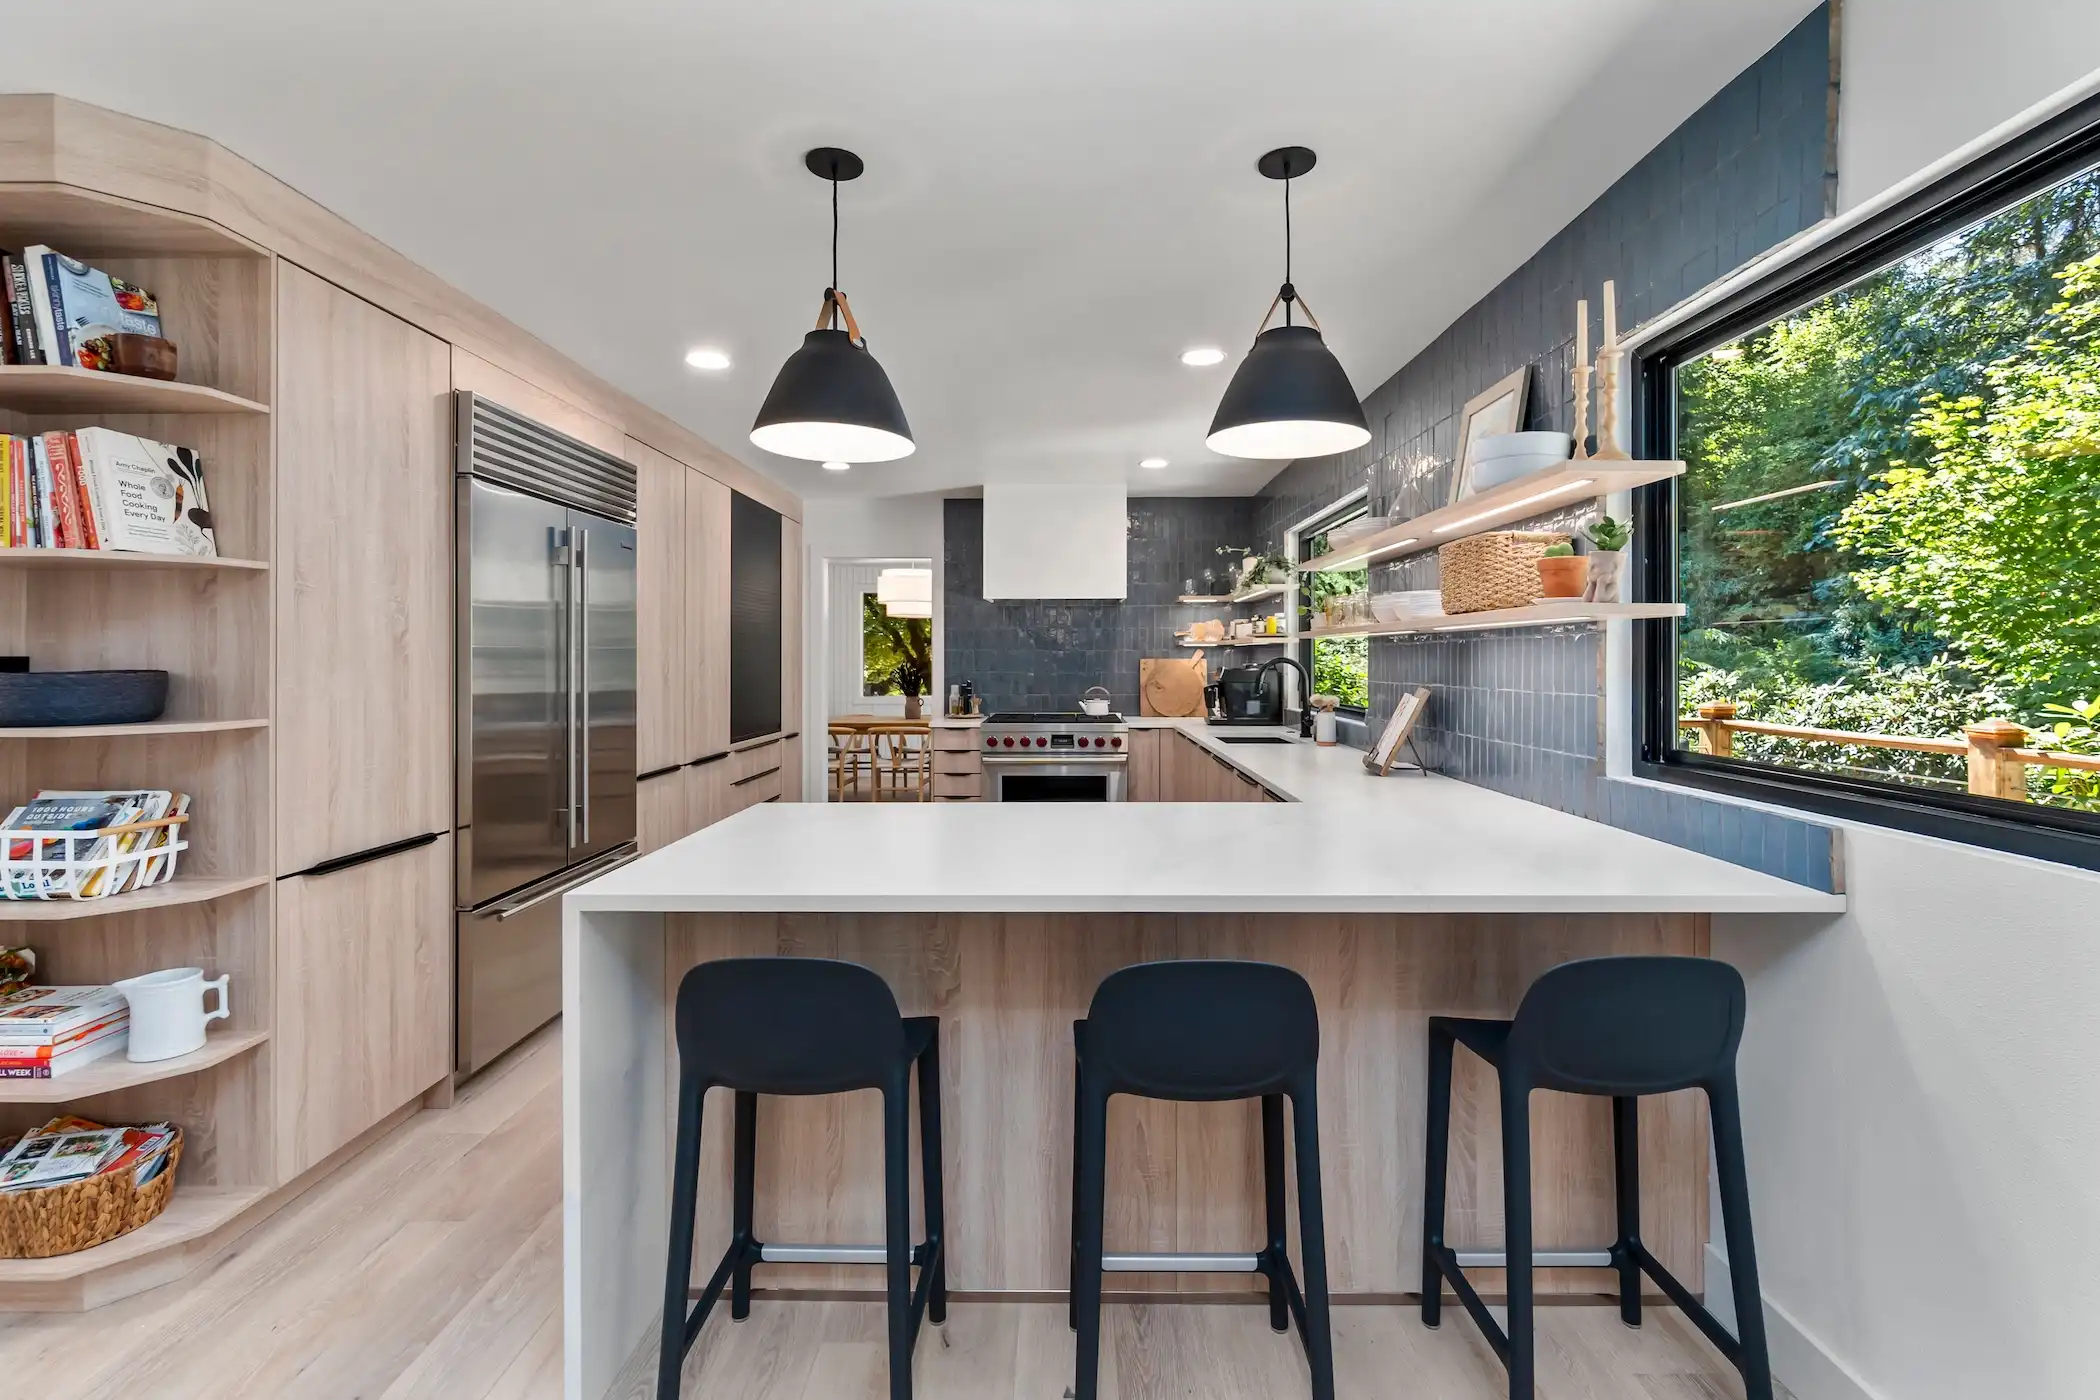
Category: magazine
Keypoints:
(46, 1015)
(71, 1149)
(61, 810)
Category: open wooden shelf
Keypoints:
(1252, 595)
(64, 389)
(193, 1222)
(128, 731)
(1240, 642)
(1559, 485)
(1540, 614)
(91, 225)
(113, 559)
(183, 889)
(114, 1072)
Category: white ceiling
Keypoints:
(1060, 196)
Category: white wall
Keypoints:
(1922, 78)
(889, 527)
(1921, 1083)
(1922, 1077)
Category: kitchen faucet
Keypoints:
(1305, 718)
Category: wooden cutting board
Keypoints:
(1172, 686)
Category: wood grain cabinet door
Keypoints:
(364, 997)
(665, 724)
(1143, 778)
(363, 575)
(707, 613)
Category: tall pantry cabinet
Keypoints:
(310, 709)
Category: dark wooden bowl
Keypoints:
(147, 356)
(40, 699)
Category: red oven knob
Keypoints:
(1041, 742)
(1115, 743)
(1009, 741)
(991, 743)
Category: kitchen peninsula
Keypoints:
(1396, 898)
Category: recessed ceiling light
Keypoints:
(838, 466)
(705, 358)
(1153, 464)
(1203, 355)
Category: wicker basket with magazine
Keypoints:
(1499, 569)
(42, 1222)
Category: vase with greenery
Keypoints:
(911, 682)
(1607, 570)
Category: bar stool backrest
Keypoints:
(1202, 1029)
(788, 1025)
(1636, 1025)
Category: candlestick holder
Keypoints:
(1608, 448)
(1582, 412)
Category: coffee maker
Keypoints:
(1248, 695)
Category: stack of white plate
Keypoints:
(1507, 456)
(1363, 527)
(1400, 607)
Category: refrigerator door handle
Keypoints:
(583, 676)
(567, 556)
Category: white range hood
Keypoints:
(1056, 541)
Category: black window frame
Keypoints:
(2046, 154)
(1351, 507)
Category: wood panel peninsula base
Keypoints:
(1002, 920)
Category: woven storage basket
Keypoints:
(1496, 570)
(79, 1215)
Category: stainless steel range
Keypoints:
(1056, 757)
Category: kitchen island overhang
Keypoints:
(1434, 897)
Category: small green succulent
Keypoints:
(1559, 551)
(1609, 534)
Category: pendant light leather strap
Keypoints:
(836, 305)
(1277, 301)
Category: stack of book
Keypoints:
(57, 310)
(73, 1149)
(97, 488)
(49, 1031)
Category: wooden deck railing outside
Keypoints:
(1995, 748)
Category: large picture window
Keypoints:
(1887, 537)
(1340, 666)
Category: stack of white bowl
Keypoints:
(1507, 456)
(1363, 527)
(1405, 606)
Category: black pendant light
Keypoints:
(831, 402)
(1289, 397)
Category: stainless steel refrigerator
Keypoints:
(546, 696)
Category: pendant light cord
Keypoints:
(834, 227)
(1290, 293)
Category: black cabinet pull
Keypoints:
(657, 772)
(366, 857)
(756, 776)
(711, 758)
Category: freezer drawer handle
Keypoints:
(524, 900)
(338, 863)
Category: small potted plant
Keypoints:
(1562, 571)
(1607, 573)
(912, 681)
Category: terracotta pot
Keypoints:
(911, 707)
(1563, 577)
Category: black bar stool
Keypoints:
(1199, 1032)
(803, 1026)
(1619, 1027)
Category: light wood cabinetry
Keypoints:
(1188, 772)
(664, 809)
(364, 994)
(665, 723)
(707, 613)
(364, 586)
(958, 764)
(1143, 779)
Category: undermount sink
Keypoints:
(1253, 739)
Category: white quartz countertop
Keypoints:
(1426, 845)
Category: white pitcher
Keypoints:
(167, 1012)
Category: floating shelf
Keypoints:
(193, 1223)
(114, 1072)
(62, 389)
(1542, 614)
(1536, 494)
(1252, 595)
(1240, 642)
(111, 559)
(129, 731)
(183, 889)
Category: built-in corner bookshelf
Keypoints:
(209, 623)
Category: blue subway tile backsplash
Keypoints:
(1520, 711)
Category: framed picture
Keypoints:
(1380, 759)
(1499, 410)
